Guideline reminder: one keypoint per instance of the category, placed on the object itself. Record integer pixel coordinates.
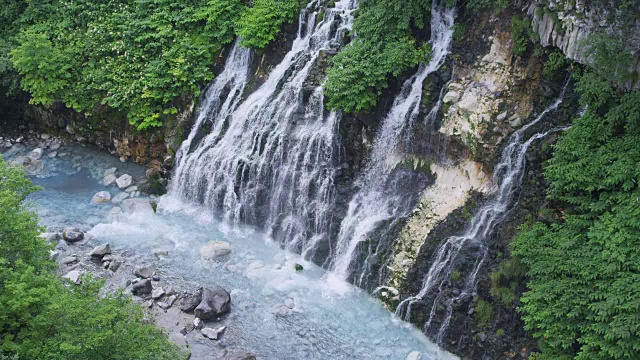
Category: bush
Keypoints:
(383, 47)
(40, 318)
(260, 24)
(583, 269)
(479, 5)
(555, 61)
(484, 313)
(521, 35)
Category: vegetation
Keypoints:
(583, 268)
(521, 35)
(383, 47)
(483, 313)
(479, 5)
(137, 56)
(41, 318)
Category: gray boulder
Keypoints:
(68, 260)
(124, 181)
(145, 272)
(142, 287)
(191, 301)
(109, 179)
(101, 197)
(73, 276)
(213, 334)
(216, 301)
(72, 234)
(215, 251)
(157, 293)
(101, 250)
(36, 153)
(114, 265)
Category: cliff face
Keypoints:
(566, 24)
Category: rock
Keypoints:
(157, 293)
(213, 334)
(101, 250)
(142, 287)
(482, 336)
(131, 189)
(52, 154)
(55, 145)
(215, 301)
(215, 250)
(72, 234)
(45, 136)
(124, 181)
(155, 278)
(299, 267)
(114, 265)
(451, 97)
(160, 252)
(108, 180)
(53, 255)
(167, 303)
(107, 257)
(111, 171)
(31, 166)
(145, 272)
(191, 301)
(116, 211)
(73, 276)
(68, 260)
(414, 355)
(101, 197)
(148, 304)
(502, 116)
(198, 323)
(36, 153)
(515, 121)
(120, 198)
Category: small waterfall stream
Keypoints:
(382, 191)
(471, 247)
(270, 160)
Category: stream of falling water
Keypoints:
(270, 160)
(456, 249)
(380, 199)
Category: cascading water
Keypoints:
(382, 195)
(466, 253)
(271, 161)
(227, 86)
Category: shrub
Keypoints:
(260, 24)
(484, 313)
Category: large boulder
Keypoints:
(72, 234)
(213, 334)
(101, 197)
(111, 171)
(216, 301)
(74, 276)
(215, 251)
(124, 181)
(142, 287)
(31, 166)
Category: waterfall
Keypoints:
(469, 250)
(381, 197)
(231, 81)
(270, 160)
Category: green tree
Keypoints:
(584, 270)
(40, 318)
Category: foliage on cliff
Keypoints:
(584, 268)
(41, 318)
(383, 47)
(136, 56)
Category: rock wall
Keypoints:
(566, 23)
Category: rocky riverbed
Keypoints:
(220, 290)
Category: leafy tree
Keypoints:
(584, 269)
(40, 318)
